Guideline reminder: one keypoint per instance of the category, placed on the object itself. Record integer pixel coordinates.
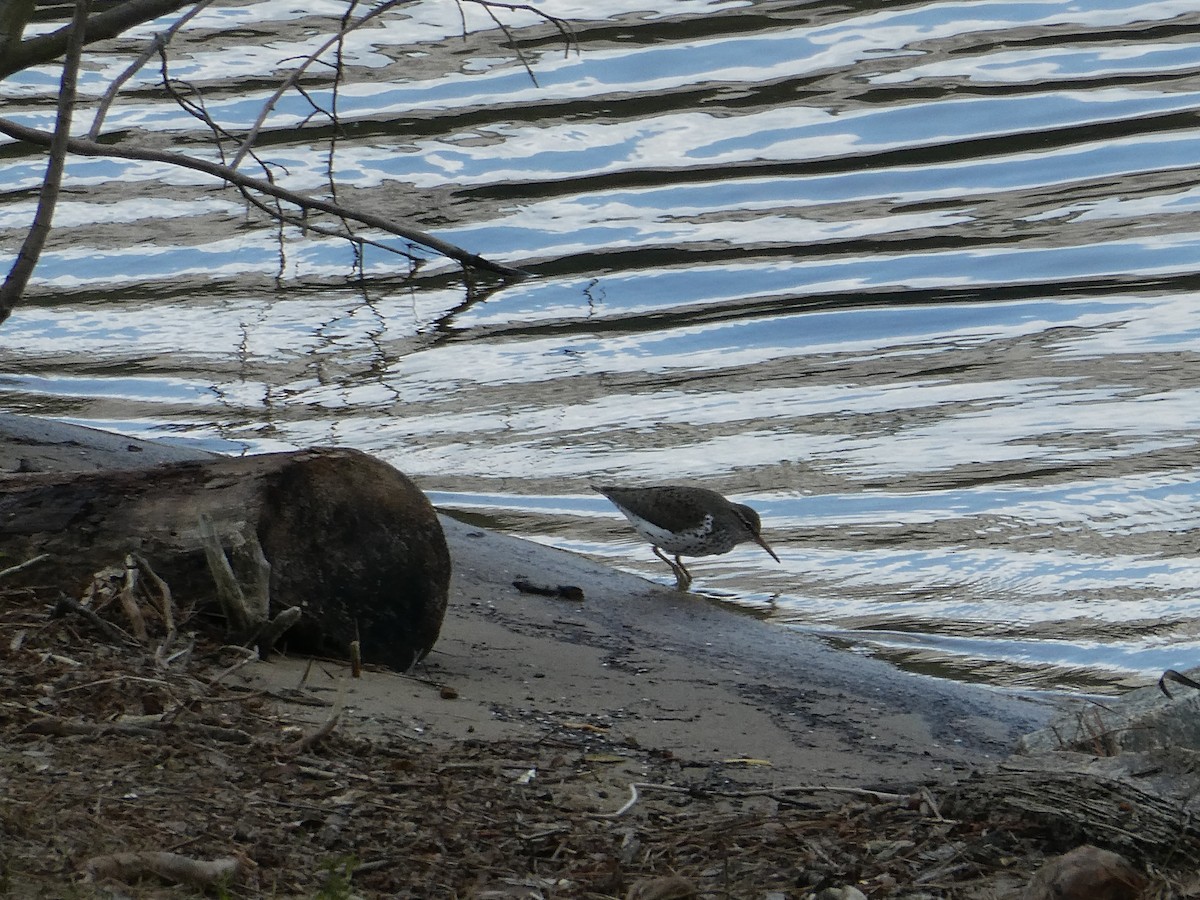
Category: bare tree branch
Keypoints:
(513, 43)
(14, 16)
(299, 221)
(113, 22)
(35, 240)
(157, 45)
(226, 174)
(108, 24)
(563, 26)
(294, 75)
(490, 6)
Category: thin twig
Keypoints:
(165, 603)
(931, 802)
(315, 737)
(1168, 675)
(129, 603)
(304, 675)
(512, 42)
(239, 619)
(70, 604)
(157, 44)
(637, 786)
(52, 725)
(271, 632)
(294, 76)
(13, 570)
(248, 657)
(116, 679)
(633, 798)
(182, 656)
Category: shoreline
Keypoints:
(638, 663)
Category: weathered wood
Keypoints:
(349, 539)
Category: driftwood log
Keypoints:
(349, 540)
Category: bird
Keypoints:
(686, 521)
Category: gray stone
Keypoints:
(1086, 873)
(1144, 719)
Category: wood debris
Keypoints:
(125, 771)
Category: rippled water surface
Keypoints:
(918, 281)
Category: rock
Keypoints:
(1086, 873)
(1143, 719)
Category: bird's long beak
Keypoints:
(761, 541)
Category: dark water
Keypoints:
(918, 281)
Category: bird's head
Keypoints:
(753, 524)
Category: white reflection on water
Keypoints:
(150, 389)
(1034, 66)
(745, 342)
(1027, 662)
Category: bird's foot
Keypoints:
(683, 578)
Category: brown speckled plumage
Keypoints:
(686, 521)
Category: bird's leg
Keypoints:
(683, 578)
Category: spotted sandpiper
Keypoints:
(689, 521)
